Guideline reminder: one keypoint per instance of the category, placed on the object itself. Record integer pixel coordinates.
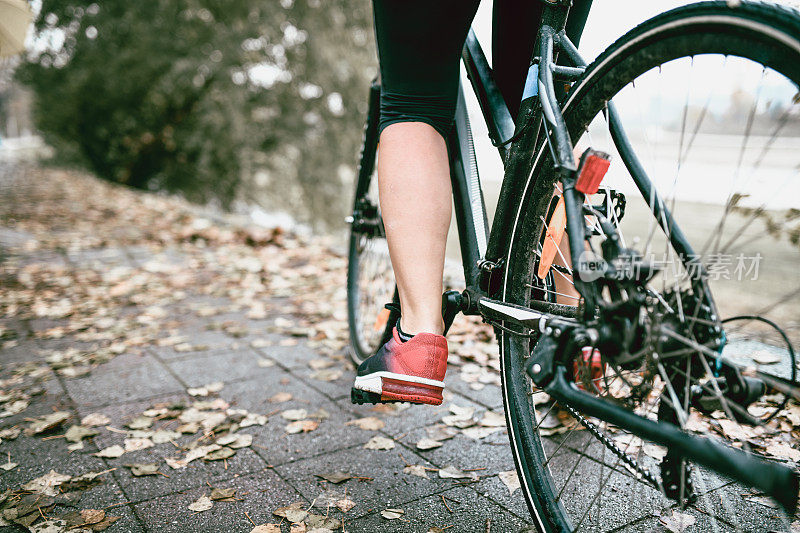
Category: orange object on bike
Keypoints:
(592, 363)
(555, 232)
(381, 320)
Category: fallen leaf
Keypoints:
(392, 514)
(783, 451)
(294, 513)
(280, 397)
(111, 452)
(451, 472)
(510, 480)
(335, 477)
(416, 470)
(140, 422)
(223, 494)
(95, 419)
(47, 483)
(677, 522)
(303, 426)
(428, 444)
(47, 423)
(345, 504)
(78, 433)
(206, 389)
(267, 528)
(134, 445)
(265, 363)
(203, 503)
(218, 455)
(478, 433)
(379, 443)
(8, 466)
(370, 423)
(253, 419)
(295, 414)
(164, 435)
(143, 469)
(235, 440)
(492, 419)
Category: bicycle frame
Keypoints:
(482, 250)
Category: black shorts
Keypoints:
(419, 48)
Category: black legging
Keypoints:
(419, 48)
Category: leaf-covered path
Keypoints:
(200, 368)
(163, 368)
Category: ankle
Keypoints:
(409, 327)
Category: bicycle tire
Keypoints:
(761, 32)
(362, 343)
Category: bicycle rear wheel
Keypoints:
(370, 279)
(713, 153)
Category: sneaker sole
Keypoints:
(387, 387)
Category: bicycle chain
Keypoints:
(624, 457)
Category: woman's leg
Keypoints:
(415, 198)
(419, 46)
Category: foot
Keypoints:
(404, 371)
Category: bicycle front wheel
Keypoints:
(709, 96)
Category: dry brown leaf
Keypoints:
(345, 504)
(95, 419)
(111, 452)
(295, 414)
(428, 444)
(370, 423)
(203, 503)
(510, 480)
(392, 514)
(677, 522)
(280, 397)
(301, 426)
(416, 470)
(335, 477)
(379, 443)
(267, 528)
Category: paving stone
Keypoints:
(493, 453)
(260, 494)
(222, 365)
(470, 513)
(197, 472)
(391, 486)
(490, 396)
(37, 457)
(137, 382)
(293, 357)
(728, 504)
(271, 441)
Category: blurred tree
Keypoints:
(252, 99)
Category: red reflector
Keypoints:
(594, 165)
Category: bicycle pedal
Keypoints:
(359, 397)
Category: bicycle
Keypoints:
(671, 371)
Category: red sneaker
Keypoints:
(411, 371)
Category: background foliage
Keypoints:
(248, 100)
